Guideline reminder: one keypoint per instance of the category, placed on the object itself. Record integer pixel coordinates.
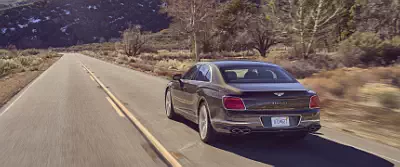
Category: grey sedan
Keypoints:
(242, 97)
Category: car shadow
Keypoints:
(282, 152)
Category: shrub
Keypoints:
(29, 52)
(123, 57)
(174, 64)
(168, 64)
(133, 40)
(37, 61)
(52, 54)
(367, 48)
(105, 53)
(391, 50)
(148, 49)
(143, 67)
(3, 53)
(7, 66)
(361, 48)
(299, 69)
(24, 61)
(89, 53)
(386, 95)
(132, 60)
(390, 99)
(211, 55)
(162, 72)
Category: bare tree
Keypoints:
(233, 19)
(191, 14)
(265, 32)
(309, 20)
(249, 26)
(133, 39)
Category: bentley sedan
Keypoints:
(242, 97)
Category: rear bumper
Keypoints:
(240, 123)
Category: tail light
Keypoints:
(233, 103)
(314, 102)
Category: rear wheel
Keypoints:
(169, 108)
(206, 131)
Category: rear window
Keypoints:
(260, 74)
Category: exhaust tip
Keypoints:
(241, 131)
(314, 128)
(236, 131)
(246, 131)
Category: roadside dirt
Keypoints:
(11, 84)
(376, 123)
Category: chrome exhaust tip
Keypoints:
(236, 131)
(240, 131)
(314, 128)
(246, 131)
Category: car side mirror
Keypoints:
(177, 77)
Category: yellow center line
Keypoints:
(115, 107)
(92, 78)
(160, 148)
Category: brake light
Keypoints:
(314, 102)
(233, 103)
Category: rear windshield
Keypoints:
(254, 74)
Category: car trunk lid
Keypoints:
(282, 96)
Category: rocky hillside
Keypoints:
(58, 23)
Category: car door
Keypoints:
(192, 87)
(180, 93)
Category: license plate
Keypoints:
(280, 121)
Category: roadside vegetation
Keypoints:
(14, 61)
(19, 67)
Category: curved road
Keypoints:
(64, 118)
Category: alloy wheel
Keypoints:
(203, 122)
(168, 106)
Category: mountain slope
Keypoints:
(60, 23)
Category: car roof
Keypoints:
(230, 63)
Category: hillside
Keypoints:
(61, 23)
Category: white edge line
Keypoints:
(365, 150)
(25, 89)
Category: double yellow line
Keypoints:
(160, 148)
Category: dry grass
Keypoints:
(355, 83)
(6, 66)
(174, 64)
(362, 101)
(107, 46)
(30, 52)
(386, 95)
(250, 54)
(3, 52)
(18, 61)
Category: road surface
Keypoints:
(64, 118)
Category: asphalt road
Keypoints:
(63, 118)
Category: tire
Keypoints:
(206, 131)
(169, 107)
